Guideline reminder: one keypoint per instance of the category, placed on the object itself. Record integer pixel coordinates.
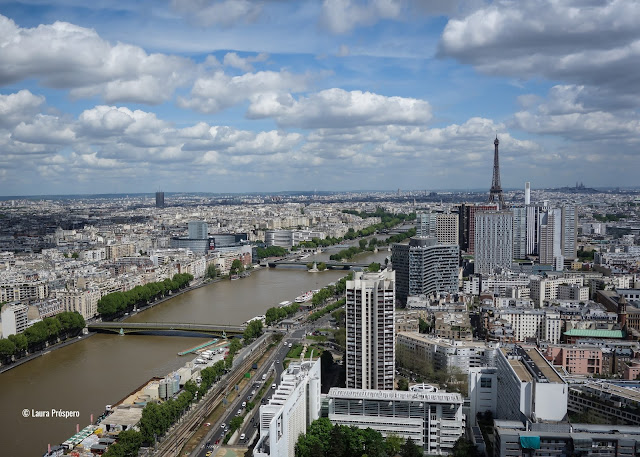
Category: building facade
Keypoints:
(433, 420)
(370, 315)
(493, 241)
(294, 405)
(424, 266)
(14, 319)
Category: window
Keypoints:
(485, 383)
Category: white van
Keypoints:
(264, 377)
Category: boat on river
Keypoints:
(304, 297)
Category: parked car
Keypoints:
(242, 437)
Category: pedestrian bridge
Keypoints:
(221, 331)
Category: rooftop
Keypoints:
(399, 395)
(589, 333)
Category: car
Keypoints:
(223, 426)
(249, 397)
(255, 425)
(273, 386)
(277, 361)
(244, 404)
(208, 454)
(253, 392)
(290, 345)
(242, 437)
(217, 441)
(239, 412)
(226, 429)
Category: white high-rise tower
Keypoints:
(370, 315)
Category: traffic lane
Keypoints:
(231, 412)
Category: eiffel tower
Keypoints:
(495, 194)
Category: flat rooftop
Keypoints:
(544, 366)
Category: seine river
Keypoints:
(104, 368)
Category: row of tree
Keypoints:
(271, 251)
(49, 330)
(326, 440)
(277, 313)
(116, 304)
(327, 309)
(371, 245)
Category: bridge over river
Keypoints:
(220, 331)
(331, 264)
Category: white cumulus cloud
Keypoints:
(339, 108)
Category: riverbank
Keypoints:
(53, 347)
(45, 351)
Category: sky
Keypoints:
(112, 96)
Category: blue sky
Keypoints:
(241, 95)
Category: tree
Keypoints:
(410, 449)
(7, 348)
(423, 326)
(75, 255)
(253, 330)
(20, 341)
(403, 384)
(236, 267)
(393, 444)
(212, 271)
(236, 423)
(464, 448)
(374, 267)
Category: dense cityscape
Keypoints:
(337, 228)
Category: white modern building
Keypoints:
(370, 315)
(493, 241)
(294, 405)
(444, 354)
(529, 388)
(14, 319)
(542, 289)
(483, 392)
(433, 420)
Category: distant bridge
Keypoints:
(331, 264)
(220, 331)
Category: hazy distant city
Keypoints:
(337, 228)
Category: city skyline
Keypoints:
(215, 96)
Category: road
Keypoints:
(214, 438)
(272, 367)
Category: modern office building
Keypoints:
(519, 232)
(294, 405)
(159, 199)
(424, 266)
(433, 420)
(198, 230)
(493, 241)
(370, 314)
(521, 438)
(442, 226)
(289, 238)
(528, 386)
(14, 319)
(483, 392)
(558, 235)
(467, 224)
(198, 246)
